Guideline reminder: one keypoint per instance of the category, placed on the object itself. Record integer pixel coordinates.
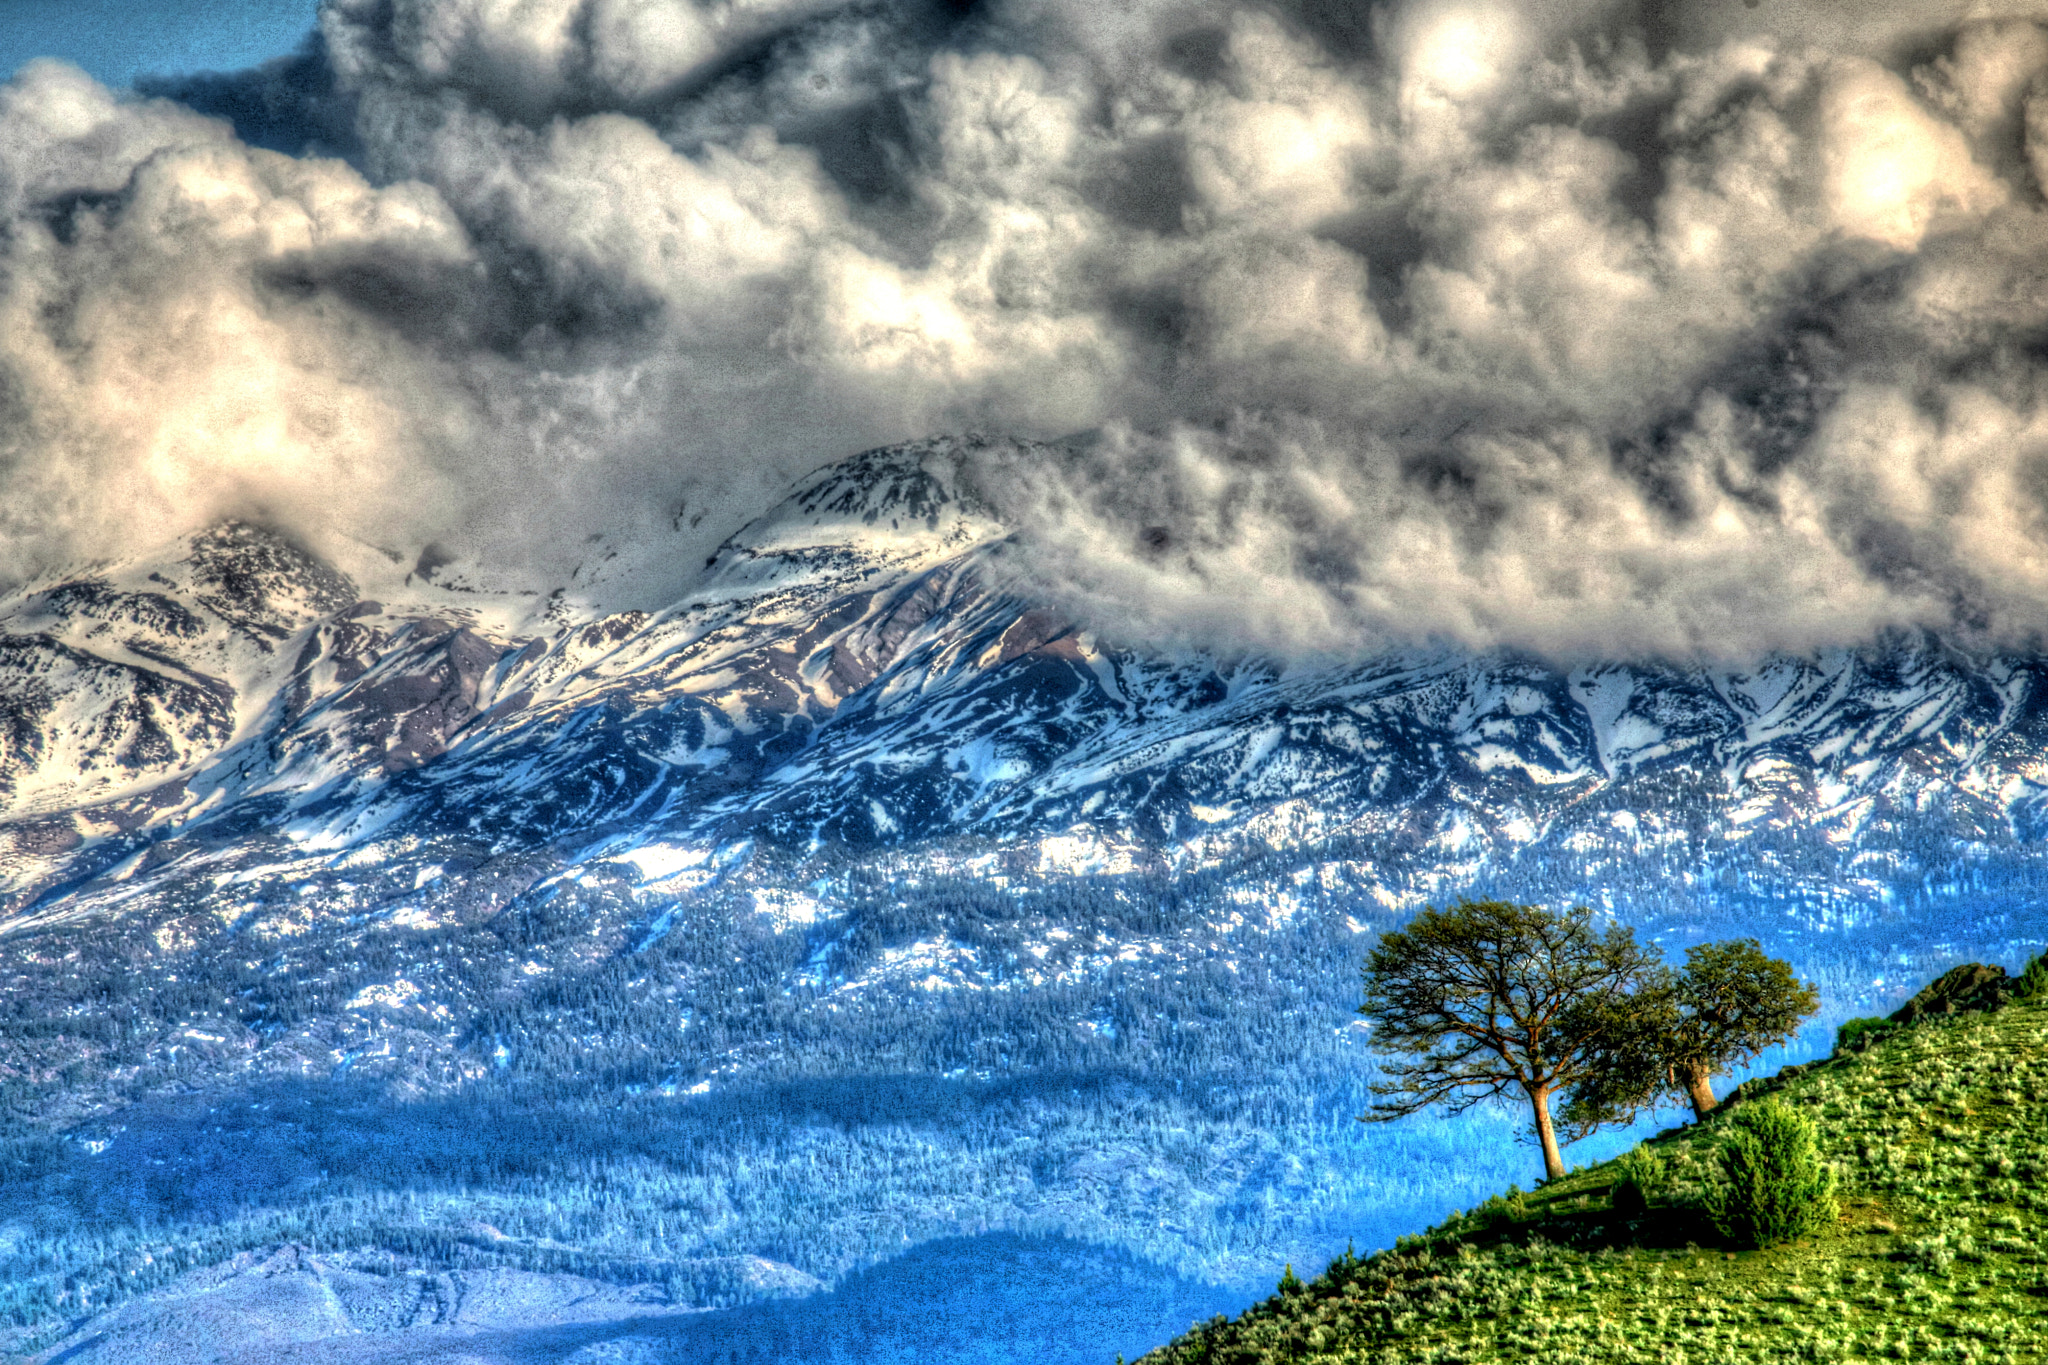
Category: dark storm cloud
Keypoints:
(1679, 328)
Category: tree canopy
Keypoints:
(1681, 1028)
(1488, 998)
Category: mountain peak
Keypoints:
(255, 577)
(911, 493)
(912, 482)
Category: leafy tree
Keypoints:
(1682, 1028)
(1777, 1188)
(1489, 998)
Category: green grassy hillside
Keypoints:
(1939, 1133)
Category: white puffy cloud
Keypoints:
(1893, 167)
(1598, 326)
(161, 366)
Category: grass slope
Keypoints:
(1939, 1133)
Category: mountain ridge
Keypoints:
(837, 679)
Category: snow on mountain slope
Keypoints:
(122, 676)
(852, 670)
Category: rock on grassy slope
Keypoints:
(1939, 1131)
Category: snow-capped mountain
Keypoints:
(856, 880)
(853, 672)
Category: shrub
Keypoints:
(1776, 1188)
(1498, 1214)
(1856, 1034)
(1640, 1177)
(2033, 982)
(1933, 1254)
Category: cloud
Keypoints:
(1614, 328)
(161, 368)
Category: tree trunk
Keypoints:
(1694, 1079)
(1553, 1162)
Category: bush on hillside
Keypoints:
(1776, 1186)
(1640, 1177)
(1500, 1213)
(2033, 982)
(1856, 1034)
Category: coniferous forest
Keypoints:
(684, 1095)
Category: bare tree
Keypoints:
(1488, 998)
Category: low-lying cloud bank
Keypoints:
(1614, 328)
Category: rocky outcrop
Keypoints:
(1971, 987)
